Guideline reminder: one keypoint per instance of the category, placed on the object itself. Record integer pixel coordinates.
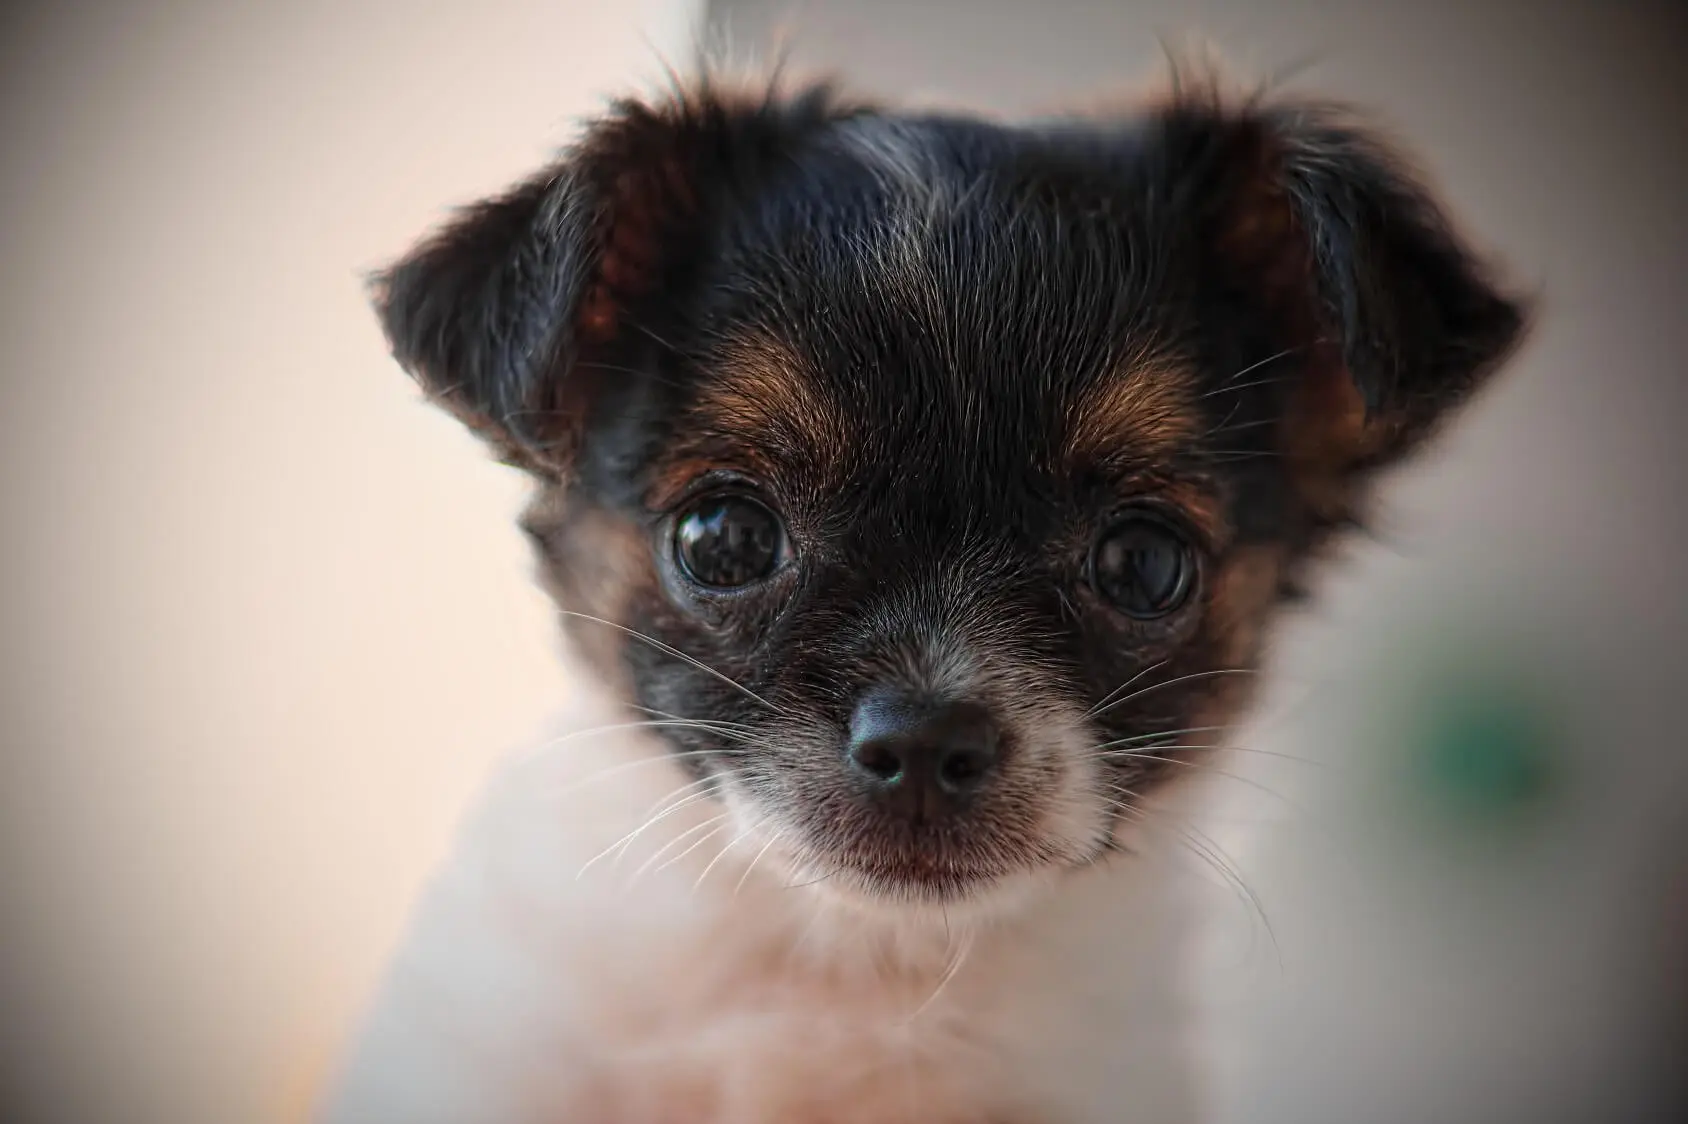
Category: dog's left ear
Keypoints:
(1396, 319)
(513, 315)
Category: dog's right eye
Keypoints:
(727, 542)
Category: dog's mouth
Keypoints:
(928, 871)
(916, 878)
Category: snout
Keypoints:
(924, 760)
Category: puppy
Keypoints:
(918, 492)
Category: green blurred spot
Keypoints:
(1484, 749)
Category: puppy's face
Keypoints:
(933, 480)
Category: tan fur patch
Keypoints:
(1141, 411)
(766, 403)
(1203, 507)
(1239, 613)
(591, 562)
(1324, 432)
(764, 386)
(1244, 594)
(1325, 435)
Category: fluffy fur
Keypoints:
(950, 357)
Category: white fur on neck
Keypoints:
(646, 990)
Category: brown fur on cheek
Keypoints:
(1244, 593)
(1325, 437)
(594, 562)
(1240, 607)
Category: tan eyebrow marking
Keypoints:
(765, 389)
(1140, 410)
(764, 403)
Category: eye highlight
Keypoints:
(1144, 566)
(728, 541)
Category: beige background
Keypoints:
(266, 617)
(267, 621)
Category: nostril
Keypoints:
(963, 768)
(879, 759)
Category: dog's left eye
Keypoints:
(726, 542)
(1144, 566)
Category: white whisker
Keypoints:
(731, 844)
(624, 766)
(741, 727)
(1170, 682)
(701, 841)
(674, 842)
(1107, 698)
(745, 877)
(669, 649)
(965, 947)
(619, 847)
(1227, 387)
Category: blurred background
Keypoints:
(267, 620)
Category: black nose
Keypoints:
(927, 758)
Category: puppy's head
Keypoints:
(935, 479)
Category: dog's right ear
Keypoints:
(498, 314)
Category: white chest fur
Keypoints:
(693, 984)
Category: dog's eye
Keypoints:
(725, 542)
(1144, 566)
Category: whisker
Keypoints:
(744, 737)
(615, 770)
(1204, 848)
(701, 841)
(1169, 682)
(698, 796)
(816, 909)
(744, 727)
(1097, 709)
(810, 882)
(651, 819)
(1210, 851)
(638, 327)
(653, 374)
(1239, 454)
(1137, 739)
(731, 844)
(1229, 414)
(592, 731)
(1246, 386)
(1146, 740)
(1216, 771)
(712, 822)
(745, 877)
(643, 723)
(677, 654)
(1240, 426)
(1252, 367)
(962, 951)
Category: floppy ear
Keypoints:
(1397, 320)
(1420, 320)
(499, 314)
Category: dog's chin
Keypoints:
(896, 876)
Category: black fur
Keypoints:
(484, 313)
(952, 292)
